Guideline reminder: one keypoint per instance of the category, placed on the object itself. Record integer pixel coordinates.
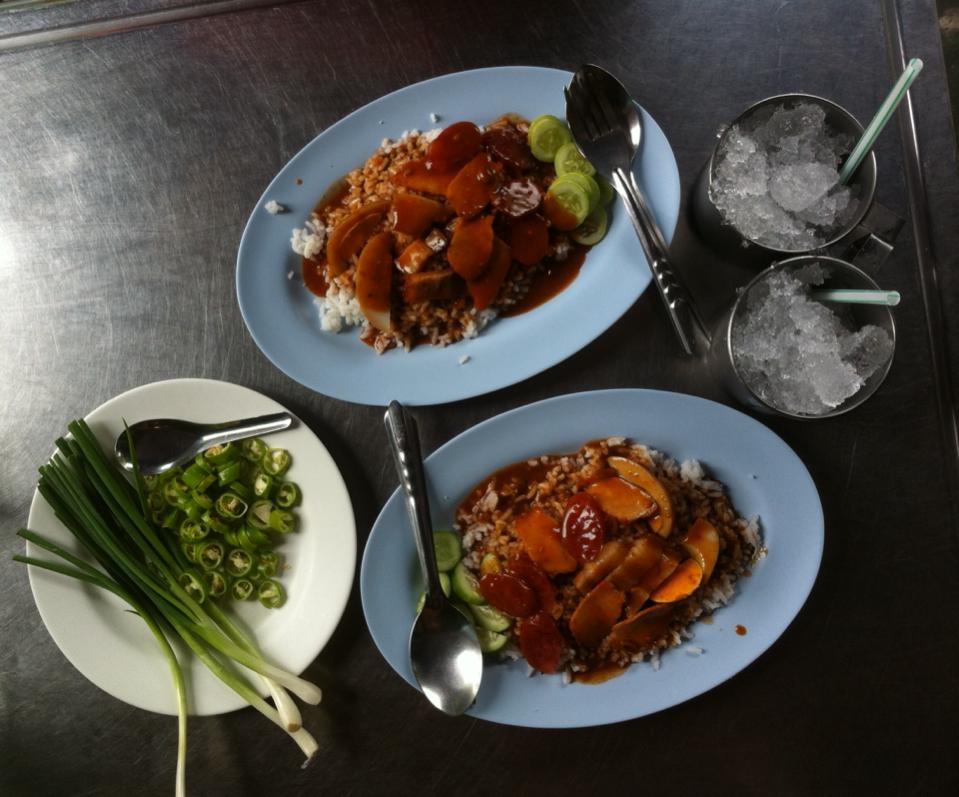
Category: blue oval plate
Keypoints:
(762, 474)
(282, 317)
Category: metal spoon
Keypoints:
(163, 443)
(606, 125)
(445, 655)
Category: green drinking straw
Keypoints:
(846, 296)
(889, 105)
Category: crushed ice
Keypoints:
(796, 353)
(777, 181)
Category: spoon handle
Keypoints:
(229, 431)
(405, 445)
(679, 304)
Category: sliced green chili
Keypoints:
(263, 485)
(230, 506)
(271, 594)
(287, 495)
(198, 477)
(242, 589)
(221, 454)
(267, 564)
(210, 554)
(216, 583)
(282, 521)
(193, 531)
(240, 489)
(239, 562)
(193, 585)
(276, 461)
(254, 448)
(228, 472)
(259, 514)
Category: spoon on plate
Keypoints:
(607, 127)
(445, 654)
(163, 443)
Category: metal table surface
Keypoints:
(128, 168)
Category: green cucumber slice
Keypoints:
(570, 159)
(446, 586)
(587, 183)
(487, 617)
(572, 198)
(592, 230)
(466, 585)
(490, 641)
(606, 191)
(545, 136)
(446, 544)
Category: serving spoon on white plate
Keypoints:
(164, 443)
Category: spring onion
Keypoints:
(151, 572)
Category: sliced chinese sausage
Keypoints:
(484, 288)
(641, 477)
(681, 584)
(524, 567)
(701, 541)
(611, 554)
(430, 286)
(643, 555)
(472, 188)
(635, 599)
(507, 144)
(529, 239)
(419, 176)
(621, 499)
(413, 214)
(471, 246)
(517, 197)
(414, 256)
(642, 629)
(539, 534)
(454, 146)
(374, 276)
(540, 642)
(351, 234)
(596, 614)
(584, 526)
(509, 593)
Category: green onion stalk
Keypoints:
(110, 518)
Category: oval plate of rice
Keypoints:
(765, 481)
(284, 319)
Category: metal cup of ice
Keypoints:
(781, 351)
(771, 186)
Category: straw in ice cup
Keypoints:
(871, 133)
(845, 296)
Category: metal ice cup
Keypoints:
(842, 275)
(725, 238)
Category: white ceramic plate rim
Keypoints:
(113, 648)
(281, 317)
(757, 468)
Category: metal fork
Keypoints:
(606, 127)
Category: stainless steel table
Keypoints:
(128, 166)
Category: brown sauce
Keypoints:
(523, 473)
(314, 275)
(741, 630)
(551, 281)
(598, 675)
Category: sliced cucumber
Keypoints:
(606, 191)
(588, 184)
(545, 136)
(573, 202)
(570, 159)
(491, 641)
(448, 550)
(487, 617)
(465, 584)
(592, 230)
(446, 586)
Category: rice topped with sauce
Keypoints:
(629, 589)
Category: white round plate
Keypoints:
(282, 316)
(113, 648)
